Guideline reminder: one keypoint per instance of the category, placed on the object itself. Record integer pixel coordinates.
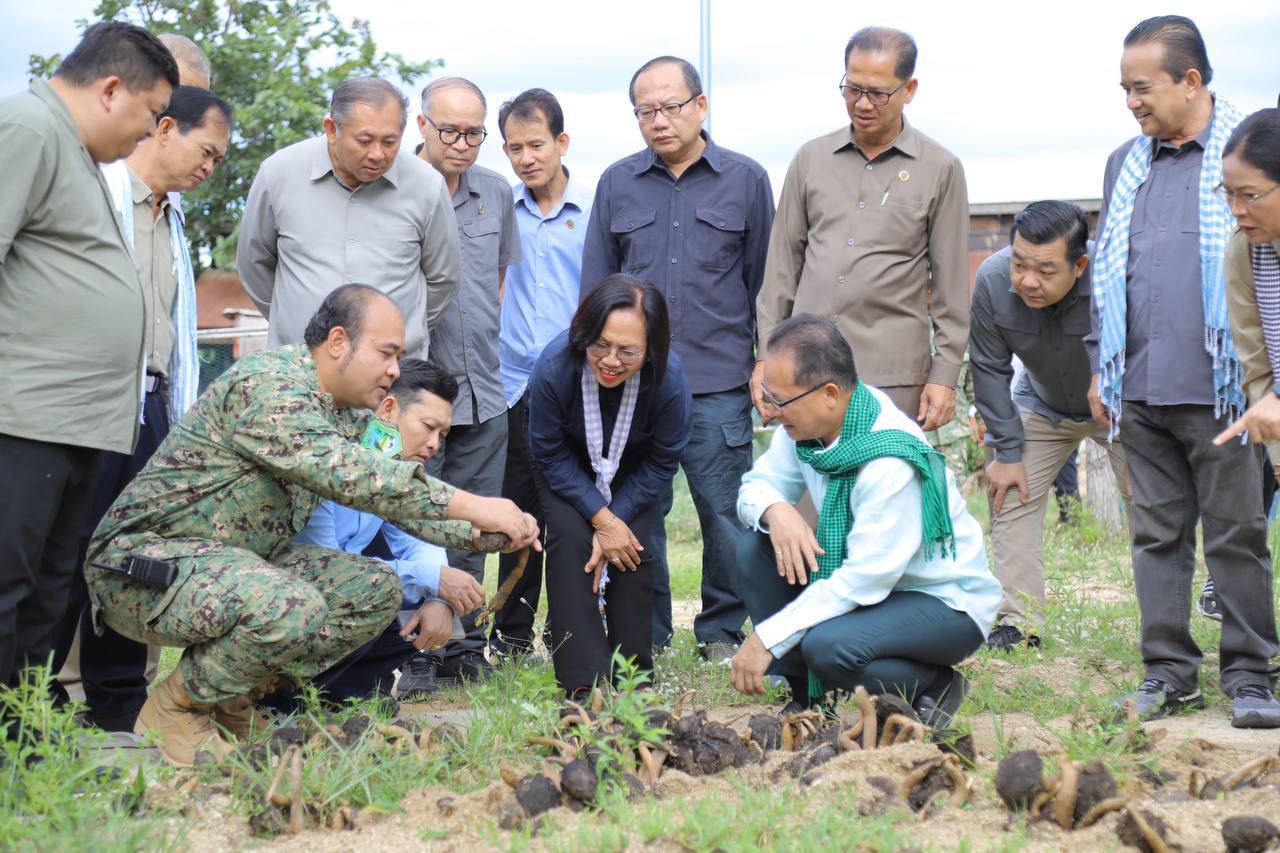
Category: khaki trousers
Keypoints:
(1017, 532)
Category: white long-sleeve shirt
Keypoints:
(885, 547)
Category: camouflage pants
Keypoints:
(240, 618)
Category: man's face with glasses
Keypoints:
(662, 90)
(803, 410)
(874, 96)
(452, 131)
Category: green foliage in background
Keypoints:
(276, 62)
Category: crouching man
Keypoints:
(893, 590)
(224, 495)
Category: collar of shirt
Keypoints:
(907, 141)
(142, 193)
(1166, 148)
(573, 195)
(710, 153)
(465, 191)
(322, 164)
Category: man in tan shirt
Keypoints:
(872, 230)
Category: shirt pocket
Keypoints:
(717, 239)
(483, 232)
(1020, 331)
(637, 239)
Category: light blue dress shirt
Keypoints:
(886, 541)
(343, 529)
(541, 291)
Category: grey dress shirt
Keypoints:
(701, 240)
(70, 299)
(1166, 363)
(304, 233)
(466, 340)
(1050, 343)
(154, 252)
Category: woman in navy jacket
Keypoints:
(609, 414)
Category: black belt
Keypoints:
(153, 382)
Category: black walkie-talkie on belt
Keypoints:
(153, 572)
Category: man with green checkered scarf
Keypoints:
(892, 590)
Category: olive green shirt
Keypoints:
(881, 247)
(154, 251)
(71, 308)
(249, 463)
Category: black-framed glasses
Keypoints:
(626, 355)
(1248, 199)
(450, 135)
(875, 96)
(644, 115)
(774, 403)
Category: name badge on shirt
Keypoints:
(382, 437)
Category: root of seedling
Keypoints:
(950, 765)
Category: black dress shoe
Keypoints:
(418, 678)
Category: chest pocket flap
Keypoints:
(721, 220)
(480, 227)
(630, 220)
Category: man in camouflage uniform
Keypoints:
(225, 493)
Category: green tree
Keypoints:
(276, 62)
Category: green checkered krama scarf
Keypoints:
(842, 463)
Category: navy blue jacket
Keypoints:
(660, 429)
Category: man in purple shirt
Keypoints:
(1163, 390)
(693, 219)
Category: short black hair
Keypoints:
(117, 49)
(620, 292)
(532, 105)
(1257, 138)
(820, 352)
(189, 108)
(419, 377)
(1043, 222)
(1183, 45)
(345, 306)
(691, 77)
(884, 40)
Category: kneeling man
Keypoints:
(223, 496)
(894, 589)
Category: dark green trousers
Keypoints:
(903, 645)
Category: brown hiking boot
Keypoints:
(239, 717)
(182, 725)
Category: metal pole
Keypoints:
(704, 54)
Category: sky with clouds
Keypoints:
(1027, 95)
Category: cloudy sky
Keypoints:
(1029, 100)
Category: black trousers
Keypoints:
(112, 667)
(46, 493)
(513, 625)
(582, 649)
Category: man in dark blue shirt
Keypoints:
(693, 219)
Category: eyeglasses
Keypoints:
(875, 96)
(626, 355)
(774, 403)
(1248, 199)
(644, 115)
(450, 135)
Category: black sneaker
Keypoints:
(464, 666)
(1155, 698)
(937, 706)
(1006, 638)
(1209, 606)
(1255, 707)
(418, 678)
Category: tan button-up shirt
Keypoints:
(304, 233)
(864, 242)
(70, 300)
(154, 251)
(1246, 326)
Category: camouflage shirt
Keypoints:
(249, 463)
